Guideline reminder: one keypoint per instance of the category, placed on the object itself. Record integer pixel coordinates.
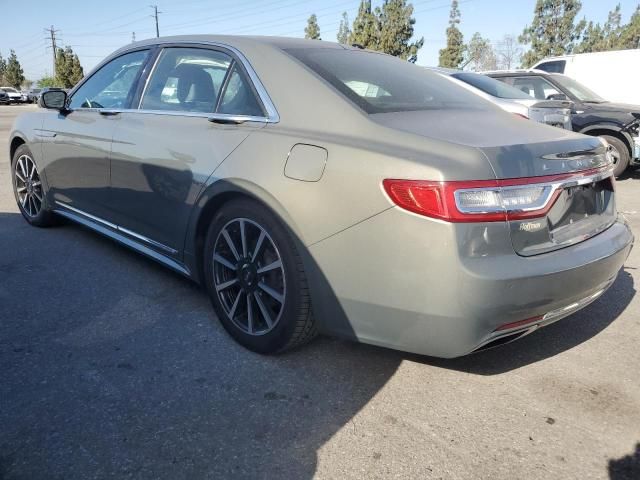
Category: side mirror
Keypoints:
(54, 99)
(557, 96)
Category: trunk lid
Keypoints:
(583, 203)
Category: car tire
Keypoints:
(32, 202)
(243, 292)
(620, 152)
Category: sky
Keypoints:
(96, 28)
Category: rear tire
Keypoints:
(620, 153)
(28, 189)
(255, 279)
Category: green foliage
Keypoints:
(366, 29)
(630, 34)
(344, 31)
(45, 82)
(68, 68)
(480, 54)
(312, 30)
(552, 31)
(599, 39)
(396, 29)
(13, 74)
(453, 54)
(3, 69)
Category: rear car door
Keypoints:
(197, 106)
(77, 144)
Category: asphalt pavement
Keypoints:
(113, 367)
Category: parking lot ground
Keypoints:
(113, 367)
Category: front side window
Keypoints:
(536, 87)
(112, 85)
(380, 83)
(195, 80)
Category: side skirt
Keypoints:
(112, 231)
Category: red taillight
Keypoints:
(482, 200)
(520, 323)
(521, 115)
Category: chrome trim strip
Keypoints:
(178, 113)
(118, 228)
(88, 215)
(147, 240)
(44, 133)
(146, 81)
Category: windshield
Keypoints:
(10, 90)
(380, 83)
(578, 90)
(491, 86)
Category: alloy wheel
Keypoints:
(28, 185)
(249, 276)
(614, 154)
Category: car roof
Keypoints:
(516, 73)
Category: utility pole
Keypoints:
(52, 37)
(155, 16)
(133, 37)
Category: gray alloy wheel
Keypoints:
(28, 186)
(249, 276)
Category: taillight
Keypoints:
(486, 200)
(521, 115)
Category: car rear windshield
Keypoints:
(491, 86)
(380, 83)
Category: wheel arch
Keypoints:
(210, 201)
(16, 141)
(612, 130)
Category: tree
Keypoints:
(3, 69)
(552, 31)
(396, 29)
(312, 30)
(480, 54)
(344, 31)
(47, 82)
(453, 54)
(509, 52)
(27, 84)
(68, 68)
(630, 35)
(366, 29)
(13, 75)
(592, 39)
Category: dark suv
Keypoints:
(592, 115)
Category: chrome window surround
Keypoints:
(549, 189)
(272, 113)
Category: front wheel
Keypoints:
(28, 189)
(619, 154)
(256, 280)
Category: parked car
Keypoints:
(15, 96)
(613, 74)
(592, 114)
(33, 94)
(4, 98)
(551, 112)
(320, 187)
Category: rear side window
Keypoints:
(199, 80)
(555, 66)
(491, 86)
(380, 83)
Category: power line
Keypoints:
(52, 36)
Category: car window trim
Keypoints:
(105, 62)
(258, 89)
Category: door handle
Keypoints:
(109, 112)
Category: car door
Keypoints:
(77, 143)
(198, 105)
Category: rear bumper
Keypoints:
(439, 289)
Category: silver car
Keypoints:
(314, 187)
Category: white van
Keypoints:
(612, 75)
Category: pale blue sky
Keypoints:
(96, 28)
